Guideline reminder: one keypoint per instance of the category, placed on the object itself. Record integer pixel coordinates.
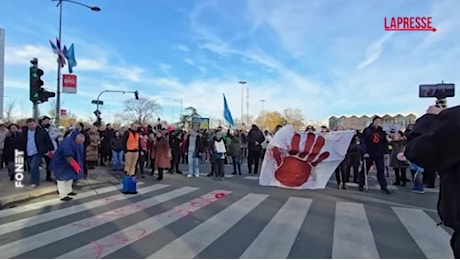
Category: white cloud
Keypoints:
(312, 61)
(374, 51)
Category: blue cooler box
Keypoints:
(129, 185)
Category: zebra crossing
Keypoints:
(164, 221)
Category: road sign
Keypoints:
(97, 102)
(69, 83)
(97, 113)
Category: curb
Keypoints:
(10, 201)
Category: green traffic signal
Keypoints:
(35, 75)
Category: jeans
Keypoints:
(193, 164)
(236, 160)
(33, 163)
(117, 160)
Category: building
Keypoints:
(359, 123)
(2, 69)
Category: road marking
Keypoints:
(196, 240)
(55, 201)
(109, 244)
(353, 236)
(431, 239)
(42, 239)
(42, 218)
(373, 187)
(278, 236)
(252, 177)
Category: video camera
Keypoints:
(439, 91)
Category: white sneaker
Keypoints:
(33, 186)
(197, 175)
(189, 176)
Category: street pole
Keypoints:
(242, 100)
(262, 106)
(58, 87)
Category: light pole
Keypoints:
(242, 100)
(178, 100)
(262, 105)
(58, 87)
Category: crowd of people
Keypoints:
(135, 150)
(146, 149)
(72, 154)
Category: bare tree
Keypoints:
(294, 117)
(9, 108)
(143, 110)
(23, 110)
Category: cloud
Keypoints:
(182, 48)
(374, 51)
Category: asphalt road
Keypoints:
(183, 217)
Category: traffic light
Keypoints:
(45, 95)
(36, 84)
(136, 95)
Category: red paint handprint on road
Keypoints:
(295, 168)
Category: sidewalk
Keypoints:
(9, 195)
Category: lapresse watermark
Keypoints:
(18, 168)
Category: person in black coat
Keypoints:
(374, 144)
(34, 150)
(11, 144)
(255, 139)
(433, 144)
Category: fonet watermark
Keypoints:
(18, 168)
(418, 23)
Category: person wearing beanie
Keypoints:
(374, 145)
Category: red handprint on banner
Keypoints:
(295, 168)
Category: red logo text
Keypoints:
(408, 24)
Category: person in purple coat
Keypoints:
(67, 164)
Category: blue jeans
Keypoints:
(236, 160)
(193, 164)
(34, 162)
(117, 160)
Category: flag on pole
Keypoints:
(70, 56)
(227, 114)
(57, 50)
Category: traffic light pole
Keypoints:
(112, 91)
(35, 111)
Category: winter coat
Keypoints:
(92, 151)
(116, 144)
(234, 148)
(11, 143)
(161, 153)
(59, 164)
(397, 147)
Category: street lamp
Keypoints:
(242, 100)
(262, 104)
(58, 87)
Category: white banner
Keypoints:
(302, 160)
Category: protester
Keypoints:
(374, 145)
(67, 164)
(433, 144)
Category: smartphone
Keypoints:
(437, 91)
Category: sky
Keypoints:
(314, 55)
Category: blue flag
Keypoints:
(227, 114)
(70, 56)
